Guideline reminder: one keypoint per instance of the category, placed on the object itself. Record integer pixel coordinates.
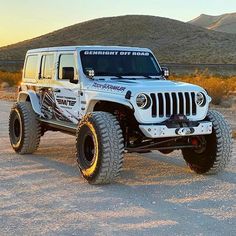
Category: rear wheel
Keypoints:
(100, 147)
(24, 128)
(215, 149)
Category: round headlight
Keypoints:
(143, 101)
(200, 99)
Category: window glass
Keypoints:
(31, 67)
(66, 60)
(47, 67)
(120, 63)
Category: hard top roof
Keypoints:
(80, 48)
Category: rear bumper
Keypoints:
(162, 131)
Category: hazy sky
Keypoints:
(24, 19)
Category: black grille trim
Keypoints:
(161, 104)
(174, 103)
(154, 105)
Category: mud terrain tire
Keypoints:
(24, 128)
(218, 147)
(100, 147)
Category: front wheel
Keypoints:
(100, 147)
(216, 149)
(24, 128)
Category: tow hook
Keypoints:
(184, 131)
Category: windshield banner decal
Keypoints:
(115, 53)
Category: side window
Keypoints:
(65, 60)
(47, 67)
(31, 67)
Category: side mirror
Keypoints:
(165, 72)
(90, 73)
(69, 73)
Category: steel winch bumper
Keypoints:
(162, 131)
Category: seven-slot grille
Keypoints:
(173, 103)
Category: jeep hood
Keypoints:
(121, 86)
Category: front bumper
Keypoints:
(162, 131)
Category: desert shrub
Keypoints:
(12, 78)
(234, 134)
(218, 87)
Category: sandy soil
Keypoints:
(9, 94)
(43, 194)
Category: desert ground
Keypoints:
(43, 194)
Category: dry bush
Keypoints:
(217, 87)
(12, 78)
(234, 134)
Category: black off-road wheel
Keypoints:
(100, 148)
(215, 150)
(24, 128)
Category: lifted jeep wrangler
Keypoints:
(115, 99)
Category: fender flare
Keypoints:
(113, 99)
(34, 100)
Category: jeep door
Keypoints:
(59, 97)
(45, 84)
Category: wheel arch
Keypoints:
(32, 97)
(124, 115)
(95, 103)
(111, 106)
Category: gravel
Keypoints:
(44, 194)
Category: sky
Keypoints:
(25, 19)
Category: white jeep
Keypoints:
(115, 100)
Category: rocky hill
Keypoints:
(171, 40)
(223, 23)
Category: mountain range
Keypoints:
(222, 23)
(172, 41)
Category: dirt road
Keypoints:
(155, 195)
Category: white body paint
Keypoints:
(73, 101)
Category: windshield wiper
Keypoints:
(121, 77)
(118, 76)
(150, 77)
(124, 76)
(105, 74)
(142, 75)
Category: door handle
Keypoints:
(56, 90)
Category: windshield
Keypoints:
(120, 63)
